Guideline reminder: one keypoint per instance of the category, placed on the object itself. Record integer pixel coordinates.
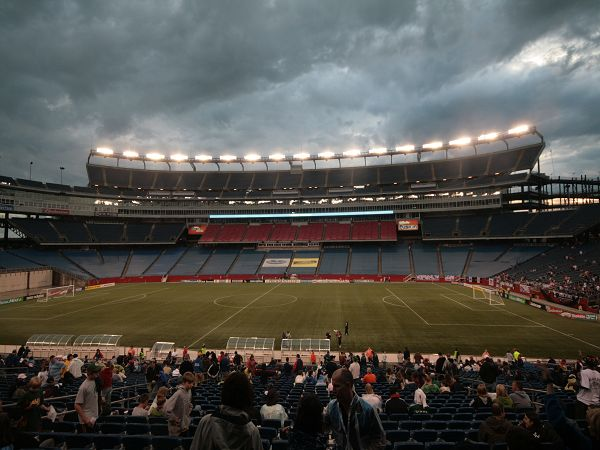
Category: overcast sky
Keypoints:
(264, 76)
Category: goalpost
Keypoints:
(56, 292)
(487, 294)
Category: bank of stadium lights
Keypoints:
(352, 153)
(302, 156)
(178, 157)
(105, 151)
(155, 156)
(227, 158)
(326, 155)
(203, 158)
(433, 145)
(378, 151)
(252, 157)
(520, 129)
(130, 154)
(405, 148)
(460, 142)
(277, 157)
(486, 137)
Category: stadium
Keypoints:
(459, 246)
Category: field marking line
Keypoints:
(416, 313)
(484, 325)
(456, 301)
(118, 300)
(233, 315)
(383, 299)
(538, 323)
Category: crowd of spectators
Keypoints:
(360, 388)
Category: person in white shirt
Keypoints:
(420, 398)
(589, 386)
(371, 398)
(273, 410)
(75, 367)
(142, 408)
(355, 369)
(300, 377)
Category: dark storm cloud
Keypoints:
(239, 76)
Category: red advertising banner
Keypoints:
(196, 229)
(408, 224)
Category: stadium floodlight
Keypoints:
(277, 156)
(488, 136)
(433, 145)
(301, 156)
(405, 148)
(203, 158)
(378, 151)
(227, 158)
(105, 151)
(155, 156)
(326, 155)
(178, 157)
(252, 157)
(352, 153)
(131, 154)
(460, 142)
(520, 129)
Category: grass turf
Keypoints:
(425, 317)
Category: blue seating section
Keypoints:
(365, 260)
(106, 232)
(140, 261)
(138, 232)
(219, 262)
(39, 230)
(166, 232)
(165, 261)
(453, 259)
(483, 261)
(395, 260)
(247, 263)
(50, 258)
(192, 261)
(11, 261)
(425, 258)
(334, 261)
(73, 231)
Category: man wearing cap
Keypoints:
(86, 402)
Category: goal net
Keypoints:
(58, 291)
(488, 295)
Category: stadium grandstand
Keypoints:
(471, 208)
(470, 213)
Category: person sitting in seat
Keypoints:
(395, 404)
(372, 398)
(483, 400)
(272, 409)
(369, 377)
(495, 427)
(519, 397)
(502, 396)
(142, 409)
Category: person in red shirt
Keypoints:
(313, 358)
(369, 377)
(106, 378)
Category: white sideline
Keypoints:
(233, 315)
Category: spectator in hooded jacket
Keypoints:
(495, 427)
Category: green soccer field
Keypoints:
(425, 317)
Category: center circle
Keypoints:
(239, 301)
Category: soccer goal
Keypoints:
(487, 294)
(58, 291)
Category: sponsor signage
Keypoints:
(535, 305)
(196, 229)
(6, 207)
(408, 225)
(98, 286)
(276, 262)
(34, 296)
(423, 185)
(11, 300)
(305, 262)
(428, 277)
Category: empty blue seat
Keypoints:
(136, 442)
(463, 416)
(425, 435)
(64, 427)
(78, 440)
(397, 435)
(159, 429)
(137, 419)
(268, 433)
(266, 444)
(409, 446)
(389, 424)
(137, 428)
(435, 425)
(279, 444)
(410, 425)
(459, 425)
(165, 442)
(107, 441)
(452, 435)
(112, 428)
